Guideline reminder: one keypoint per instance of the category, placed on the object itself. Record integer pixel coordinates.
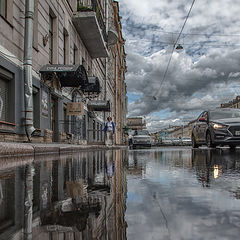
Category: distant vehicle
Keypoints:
(141, 138)
(217, 127)
(176, 141)
(167, 142)
(186, 141)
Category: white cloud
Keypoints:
(201, 76)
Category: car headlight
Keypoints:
(219, 126)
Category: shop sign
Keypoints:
(44, 103)
(75, 108)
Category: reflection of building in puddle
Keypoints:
(137, 163)
(79, 197)
(7, 199)
(72, 214)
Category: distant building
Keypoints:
(175, 131)
(136, 123)
(235, 103)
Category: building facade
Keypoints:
(120, 88)
(73, 61)
(136, 123)
(235, 103)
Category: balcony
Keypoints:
(88, 21)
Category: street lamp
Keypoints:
(179, 47)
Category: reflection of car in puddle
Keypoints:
(212, 164)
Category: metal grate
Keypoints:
(234, 129)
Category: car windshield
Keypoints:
(226, 113)
(142, 132)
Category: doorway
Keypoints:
(54, 119)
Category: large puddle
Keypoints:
(115, 194)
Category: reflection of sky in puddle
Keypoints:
(184, 197)
(133, 197)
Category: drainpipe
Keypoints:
(28, 202)
(27, 65)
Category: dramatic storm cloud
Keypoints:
(202, 75)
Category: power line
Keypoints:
(169, 61)
(194, 43)
(199, 34)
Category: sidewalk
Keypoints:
(32, 149)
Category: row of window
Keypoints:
(53, 25)
(66, 50)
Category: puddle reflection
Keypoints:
(183, 194)
(157, 194)
(77, 197)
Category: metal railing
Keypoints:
(96, 7)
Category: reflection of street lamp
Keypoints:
(216, 171)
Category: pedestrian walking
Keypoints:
(109, 130)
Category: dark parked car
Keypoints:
(217, 127)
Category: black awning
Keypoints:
(99, 105)
(93, 86)
(68, 75)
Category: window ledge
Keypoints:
(7, 123)
(7, 21)
(7, 127)
(36, 49)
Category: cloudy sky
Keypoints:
(203, 75)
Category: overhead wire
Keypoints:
(194, 43)
(169, 61)
(199, 34)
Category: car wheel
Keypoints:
(194, 144)
(209, 140)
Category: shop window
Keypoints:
(66, 120)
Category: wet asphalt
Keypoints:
(160, 193)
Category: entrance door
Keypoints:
(54, 116)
